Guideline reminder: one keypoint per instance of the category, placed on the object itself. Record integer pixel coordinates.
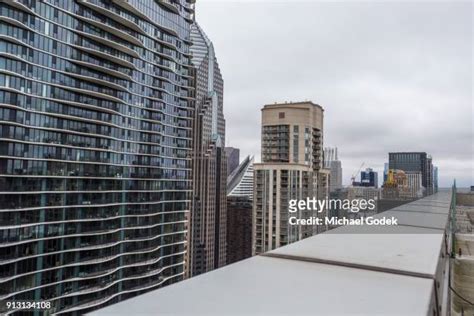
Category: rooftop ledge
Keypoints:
(363, 270)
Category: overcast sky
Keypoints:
(391, 76)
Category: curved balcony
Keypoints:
(105, 300)
(112, 30)
(101, 288)
(110, 43)
(170, 5)
(20, 6)
(108, 71)
(91, 261)
(106, 56)
(93, 247)
(95, 275)
(114, 16)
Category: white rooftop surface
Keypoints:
(356, 270)
(403, 248)
(271, 286)
(420, 219)
(441, 197)
(434, 202)
(440, 209)
(397, 248)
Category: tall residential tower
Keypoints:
(291, 168)
(96, 104)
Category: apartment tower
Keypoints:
(96, 105)
(291, 168)
(207, 242)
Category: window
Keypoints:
(281, 115)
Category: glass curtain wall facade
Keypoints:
(96, 105)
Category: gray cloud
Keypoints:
(391, 76)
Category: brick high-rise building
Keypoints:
(207, 237)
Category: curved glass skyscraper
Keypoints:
(95, 136)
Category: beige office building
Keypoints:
(291, 168)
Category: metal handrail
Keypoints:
(453, 220)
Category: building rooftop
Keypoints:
(373, 270)
(290, 103)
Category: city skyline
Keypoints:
(120, 176)
(392, 66)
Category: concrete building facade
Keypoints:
(414, 162)
(291, 168)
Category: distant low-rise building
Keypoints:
(403, 185)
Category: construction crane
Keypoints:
(355, 174)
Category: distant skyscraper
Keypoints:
(239, 211)
(332, 162)
(414, 162)
(207, 239)
(95, 181)
(291, 168)
(385, 172)
(415, 188)
(429, 175)
(233, 158)
(435, 179)
(369, 178)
